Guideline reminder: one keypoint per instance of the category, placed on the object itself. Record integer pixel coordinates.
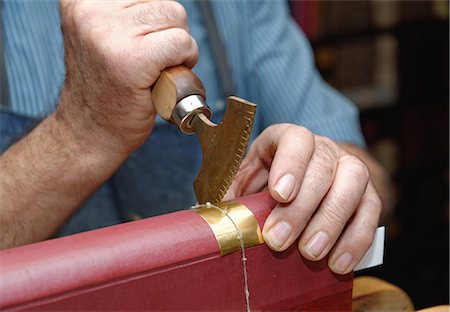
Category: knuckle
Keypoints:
(298, 135)
(374, 204)
(161, 12)
(182, 41)
(194, 46)
(325, 142)
(177, 42)
(328, 169)
(334, 214)
(303, 132)
(321, 176)
(327, 148)
(365, 240)
(178, 12)
(365, 236)
(326, 159)
(357, 168)
(177, 45)
(146, 15)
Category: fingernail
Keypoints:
(342, 263)
(317, 244)
(278, 234)
(285, 186)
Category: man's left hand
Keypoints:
(325, 195)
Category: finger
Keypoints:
(251, 177)
(336, 208)
(358, 235)
(156, 16)
(294, 147)
(172, 47)
(286, 150)
(166, 48)
(248, 181)
(286, 222)
(276, 149)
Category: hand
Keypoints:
(325, 196)
(114, 52)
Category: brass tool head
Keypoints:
(179, 97)
(223, 148)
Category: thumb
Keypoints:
(251, 177)
(230, 194)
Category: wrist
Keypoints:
(48, 174)
(77, 123)
(80, 145)
(111, 124)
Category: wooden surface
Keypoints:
(371, 294)
(441, 308)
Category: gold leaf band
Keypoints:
(229, 221)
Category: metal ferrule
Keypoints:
(186, 109)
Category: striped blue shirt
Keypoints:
(271, 63)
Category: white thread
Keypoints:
(241, 241)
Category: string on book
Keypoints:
(241, 241)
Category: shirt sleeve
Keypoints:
(285, 82)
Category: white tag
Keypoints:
(374, 256)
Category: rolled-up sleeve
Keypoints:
(285, 82)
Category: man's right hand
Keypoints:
(114, 52)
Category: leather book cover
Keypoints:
(166, 263)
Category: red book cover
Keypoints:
(166, 263)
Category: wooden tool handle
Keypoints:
(174, 84)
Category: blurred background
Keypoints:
(392, 59)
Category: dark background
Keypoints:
(392, 59)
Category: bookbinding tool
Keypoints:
(179, 97)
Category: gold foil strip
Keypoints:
(218, 217)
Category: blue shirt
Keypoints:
(272, 65)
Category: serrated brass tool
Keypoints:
(179, 97)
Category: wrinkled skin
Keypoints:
(325, 195)
(114, 53)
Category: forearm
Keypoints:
(379, 176)
(44, 178)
